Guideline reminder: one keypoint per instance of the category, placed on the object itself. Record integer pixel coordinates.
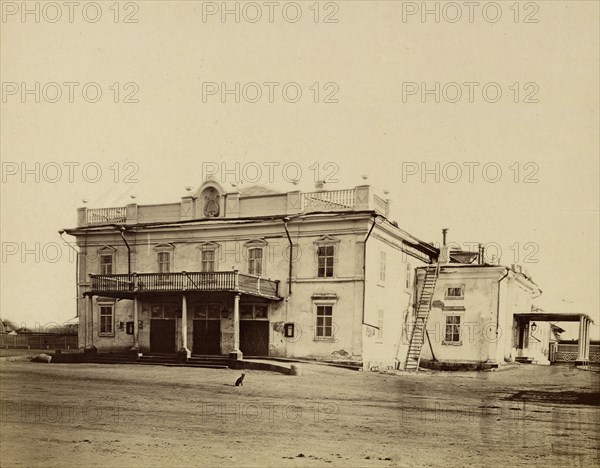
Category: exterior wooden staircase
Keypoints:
(417, 336)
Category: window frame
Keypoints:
(453, 297)
(212, 247)
(161, 249)
(326, 267)
(322, 328)
(164, 266)
(380, 324)
(382, 266)
(253, 261)
(111, 306)
(254, 306)
(456, 330)
(255, 245)
(324, 242)
(107, 252)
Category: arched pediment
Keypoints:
(327, 239)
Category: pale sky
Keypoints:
(541, 211)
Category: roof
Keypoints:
(553, 316)
(253, 190)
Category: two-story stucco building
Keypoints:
(251, 272)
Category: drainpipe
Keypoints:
(285, 221)
(364, 301)
(61, 233)
(121, 231)
(498, 303)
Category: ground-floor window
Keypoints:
(452, 333)
(106, 320)
(324, 324)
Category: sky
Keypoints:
(482, 121)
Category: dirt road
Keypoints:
(127, 415)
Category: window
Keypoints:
(106, 320)
(208, 256)
(455, 292)
(163, 258)
(326, 258)
(208, 260)
(255, 256)
(381, 266)
(408, 285)
(380, 314)
(452, 334)
(254, 312)
(164, 262)
(106, 264)
(324, 321)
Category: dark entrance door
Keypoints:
(207, 337)
(162, 336)
(254, 337)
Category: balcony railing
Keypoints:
(329, 200)
(360, 198)
(106, 215)
(185, 281)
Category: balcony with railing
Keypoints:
(127, 285)
(236, 205)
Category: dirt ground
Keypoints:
(128, 415)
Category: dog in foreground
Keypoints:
(240, 380)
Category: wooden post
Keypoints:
(580, 341)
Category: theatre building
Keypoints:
(248, 272)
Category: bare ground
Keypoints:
(128, 415)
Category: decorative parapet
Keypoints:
(232, 205)
(98, 216)
(131, 216)
(187, 208)
(294, 202)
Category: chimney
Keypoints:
(444, 250)
(319, 184)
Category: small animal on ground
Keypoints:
(240, 380)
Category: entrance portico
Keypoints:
(524, 320)
(183, 312)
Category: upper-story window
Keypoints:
(208, 260)
(106, 264)
(208, 256)
(382, 263)
(326, 256)
(164, 262)
(255, 261)
(164, 257)
(106, 256)
(455, 292)
(326, 259)
(255, 256)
